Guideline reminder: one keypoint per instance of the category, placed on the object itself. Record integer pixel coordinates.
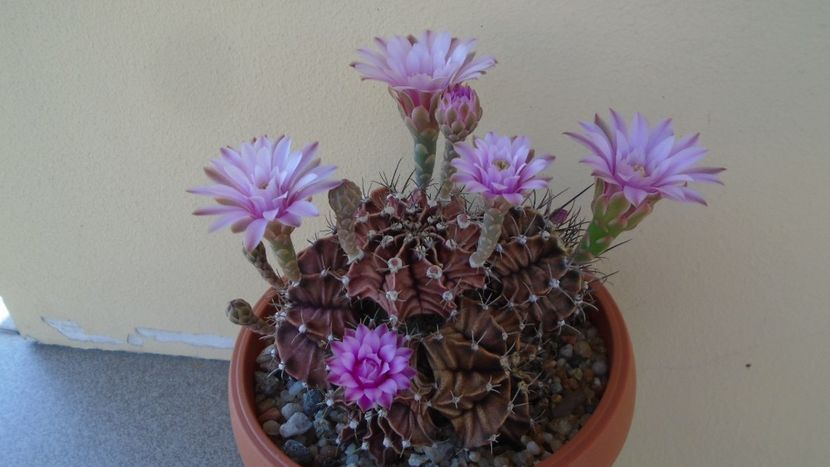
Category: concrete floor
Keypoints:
(71, 407)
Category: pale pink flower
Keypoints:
(430, 63)
(500, 167)
(644, 161)
(264, 183)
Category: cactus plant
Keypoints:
(427, 313)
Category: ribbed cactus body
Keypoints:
(535, 269)
(416, 254)
(479, 335)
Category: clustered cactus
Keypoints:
(425, 312)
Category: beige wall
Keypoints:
(109, 110)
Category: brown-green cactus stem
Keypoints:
(259, 259)
(613, 215)
(240, 312)
(344, 201)
(447, 171)
(283, 248)
(490, 232)
(425, 144)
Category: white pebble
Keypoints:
(290, 409)
(600, 368)
(534, 448)
(295, 388)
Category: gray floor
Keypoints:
(70, 407)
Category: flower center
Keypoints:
(639, 168)
(501, 164)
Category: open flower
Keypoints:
(262, 185)
(500, 167)
(371, 365)
(431, 62)
(644, 162)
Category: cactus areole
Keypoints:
(425, 315)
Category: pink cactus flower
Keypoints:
(371, 365)
(430, 63)
(500, 167)
(645, 162)
(262, 184)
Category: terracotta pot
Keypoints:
(597, 444)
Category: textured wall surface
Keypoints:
(109, 110)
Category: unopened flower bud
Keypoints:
(458, 112)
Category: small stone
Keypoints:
(583, 349)
(323, 428)
(296, 425)
(271, 427)
(549, 367)
(556, 386)
(290, 409)
(566, 351)
(474, 456)
(591, 333)
(439, 452)
(571, 383)
(416, 460)
(266, 383)
(600, 368)
(562, 426)
(521, 458)
(295, 388)
(501, 461)
(311, 401)
(265, 404)
(271, 414)
(326, 457)
(296, 451)
(534, 448)
(284, 396)
(569, 403)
